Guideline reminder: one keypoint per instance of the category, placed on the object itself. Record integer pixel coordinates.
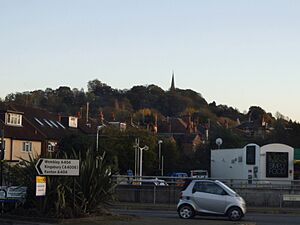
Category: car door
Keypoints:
(209, 197)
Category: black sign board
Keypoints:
(250, 155)
(277, 164)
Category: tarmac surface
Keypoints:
(120, 216)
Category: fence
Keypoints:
(262, 193)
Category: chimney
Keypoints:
(101, 117)
(113, 116)
(189, 123)
(78, 115)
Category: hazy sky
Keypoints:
(239, 53)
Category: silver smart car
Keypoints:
(210, 197)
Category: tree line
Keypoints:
(142, 104)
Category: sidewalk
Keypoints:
(171, 207)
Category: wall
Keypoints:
(17, 147)
(231, 163)
(7, 148)
(260, 197)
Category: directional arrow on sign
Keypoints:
(38, 167)
(57, 167)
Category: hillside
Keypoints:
(141, 104)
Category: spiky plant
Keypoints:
(95, 182)
(93, 187)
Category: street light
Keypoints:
(97, 144)
(159, 154)
(141, 158)
(97, 138)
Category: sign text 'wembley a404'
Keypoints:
(57, 167)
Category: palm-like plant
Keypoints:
(93, 187)
(95, 182)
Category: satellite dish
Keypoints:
(219, 142)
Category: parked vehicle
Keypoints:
(150, 182)
(210, 198)
(199, 174)
(178, 174)
(179, 178)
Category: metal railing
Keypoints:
(233, 183)
(264, 193)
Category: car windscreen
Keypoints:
(228, 189)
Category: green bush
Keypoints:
(93, 187)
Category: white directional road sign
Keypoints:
(58, 167)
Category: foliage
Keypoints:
(142, 104)
(93, 187)
(119, 148)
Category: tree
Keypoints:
(99, 89)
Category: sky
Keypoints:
(240, 53)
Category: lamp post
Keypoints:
(97, 143)
(141, 158)
(159, 154)
(136, 156)
(162, 165)
(97, 138)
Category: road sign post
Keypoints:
(58, 167)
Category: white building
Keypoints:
(269, 162)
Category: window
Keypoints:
(250, 155)
(39, 122)
(208, 187)
(51, 146)
(47, 122)
(27, 146)
(54, 124)
(14, 119)
(62, 126)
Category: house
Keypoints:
(30, 131)
(183, 131)
(21, 139)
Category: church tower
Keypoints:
(172, 88)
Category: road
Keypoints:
(169, 217)
(156, 217)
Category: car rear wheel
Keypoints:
(186, 212)
(234, 214)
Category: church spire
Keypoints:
(172, 88)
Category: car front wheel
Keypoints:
(235, 214)
(186, 212)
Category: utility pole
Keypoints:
(136, 156)
(159, 154)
